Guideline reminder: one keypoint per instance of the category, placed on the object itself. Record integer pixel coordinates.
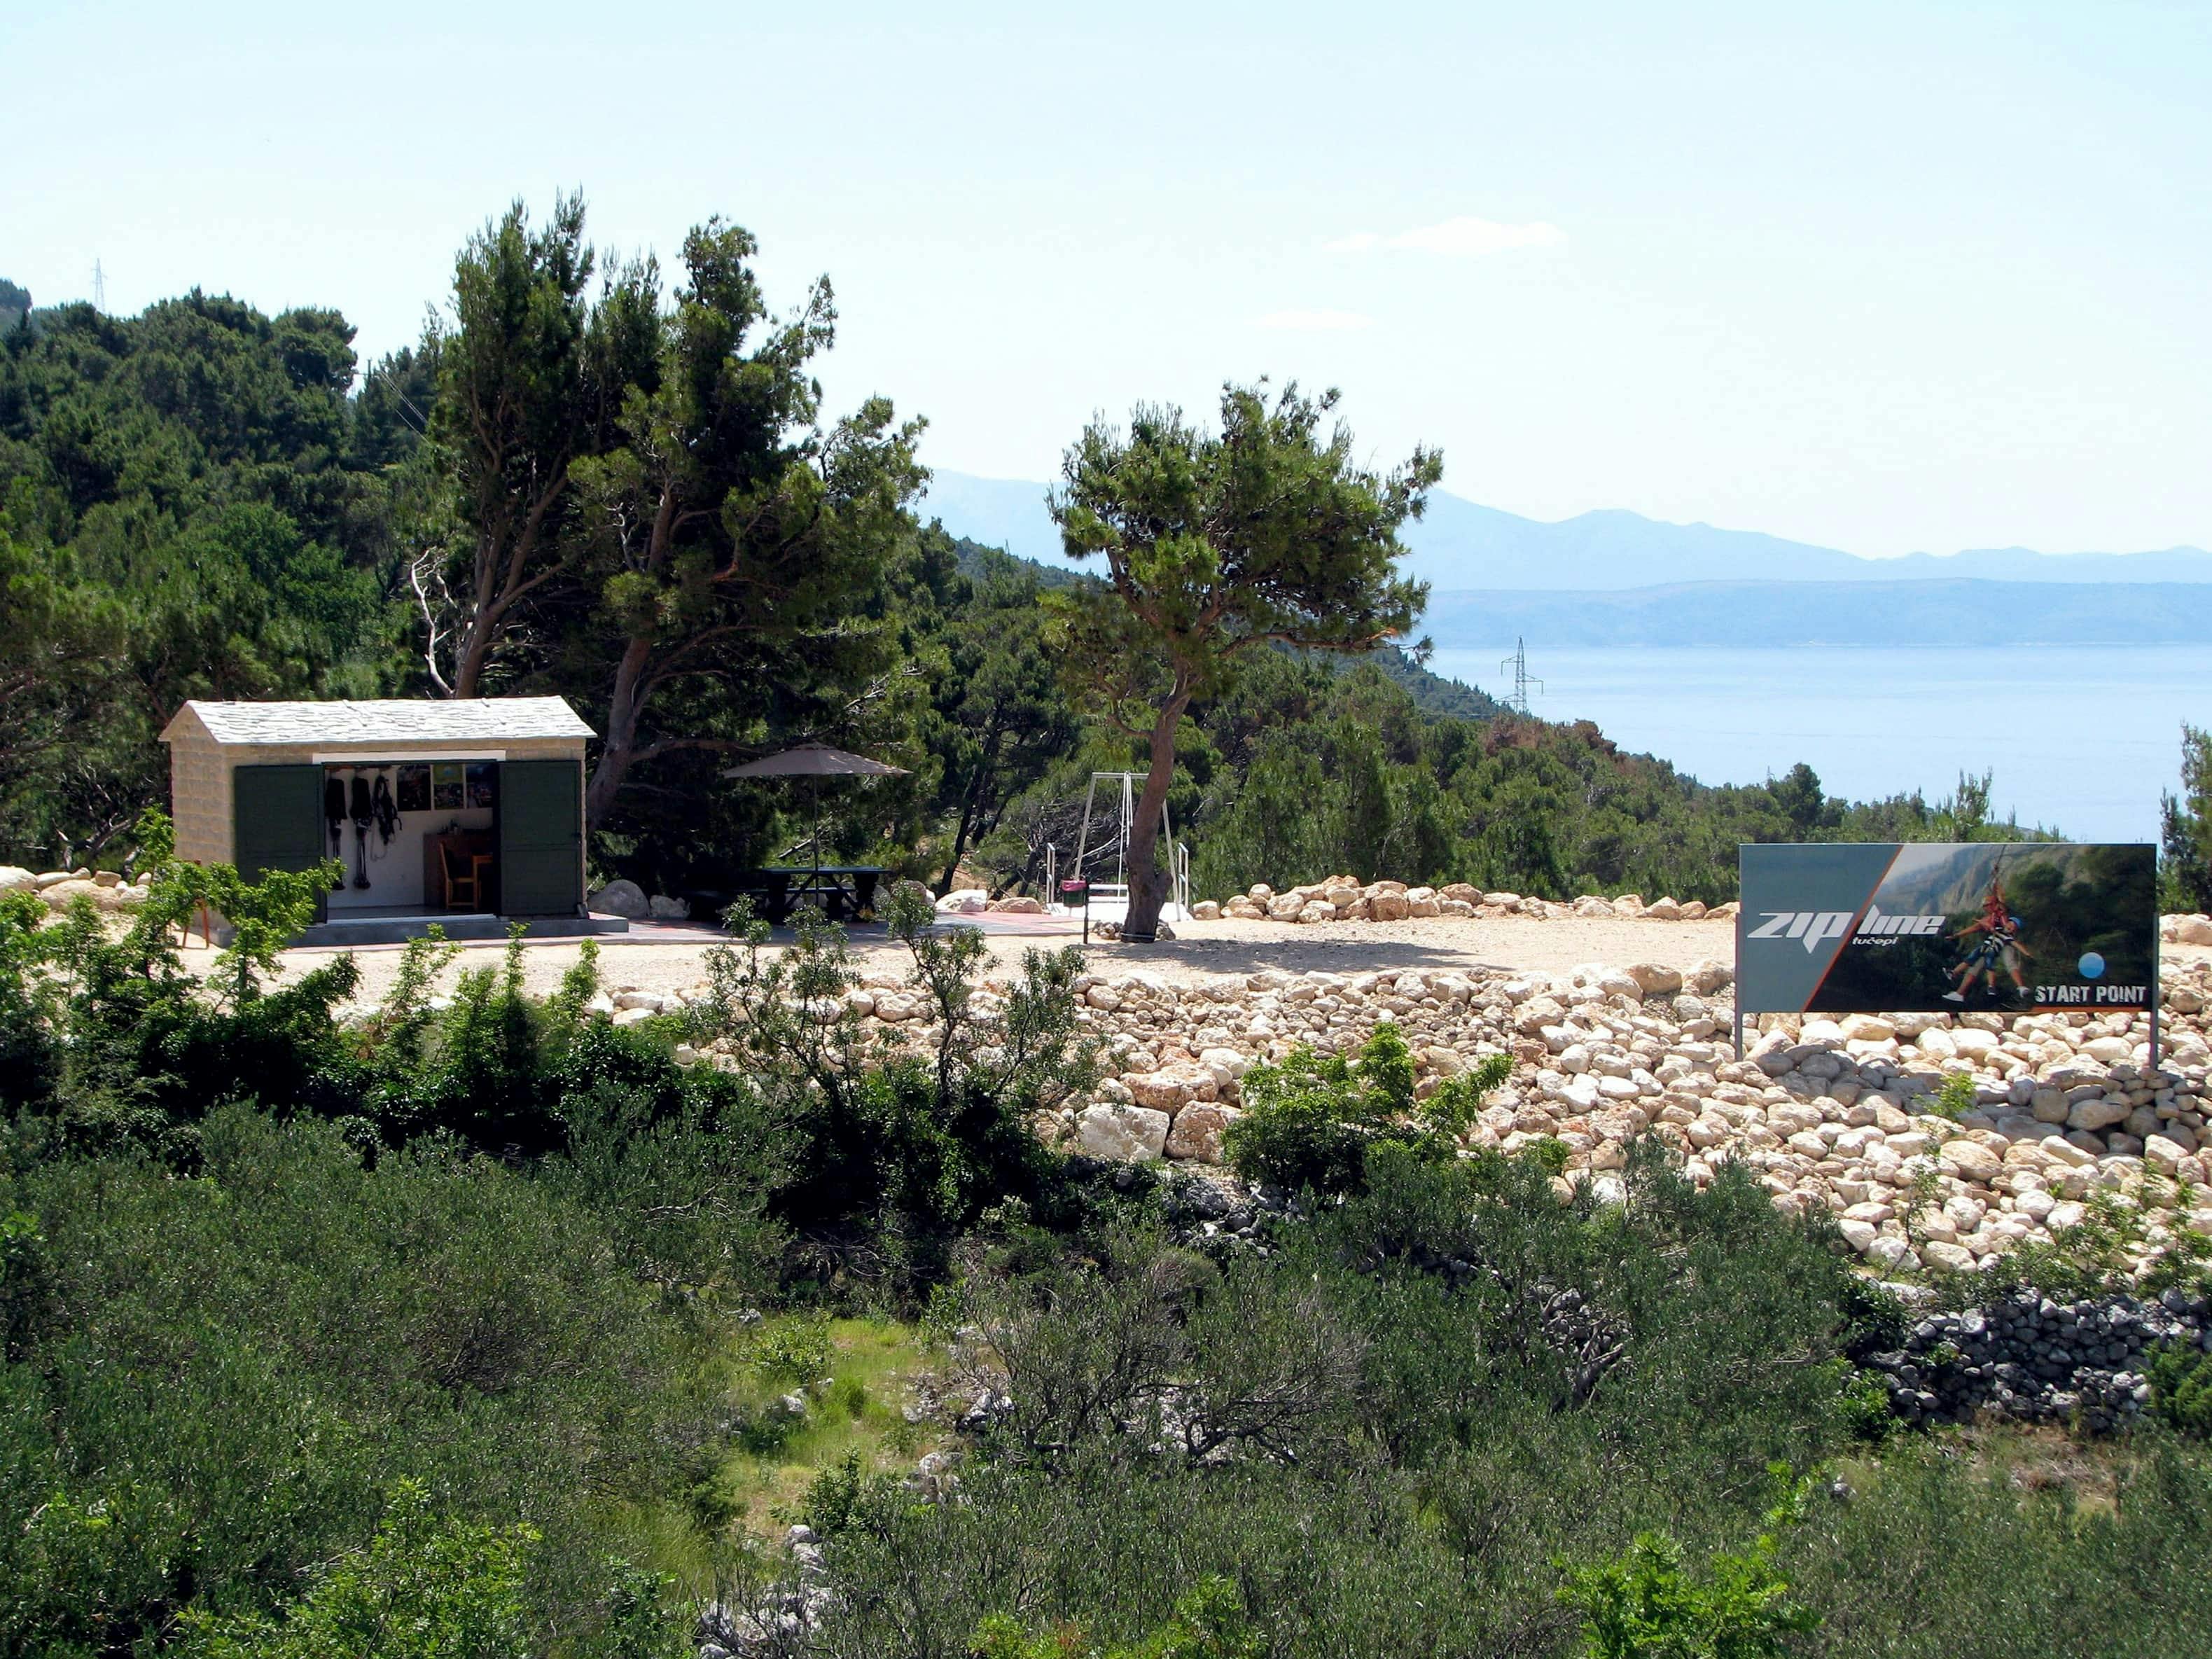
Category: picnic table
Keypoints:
(839, 890)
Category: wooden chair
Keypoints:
(471, 885)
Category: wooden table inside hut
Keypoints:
(472, 856)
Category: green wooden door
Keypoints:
(276, 820)
(541, 838)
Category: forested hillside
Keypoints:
(205, 501)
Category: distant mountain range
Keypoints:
(1460, 544)
(1615, 577)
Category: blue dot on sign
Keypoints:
(2092, 966)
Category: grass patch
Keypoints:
(2031, 1460)
(852, 1379)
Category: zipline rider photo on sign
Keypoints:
(2011, 927)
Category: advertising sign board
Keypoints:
(1934, 927)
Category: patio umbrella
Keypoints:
(816, 761)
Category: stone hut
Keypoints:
(467, 812)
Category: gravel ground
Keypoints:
(1204, 950)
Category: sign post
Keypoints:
(2012, 927)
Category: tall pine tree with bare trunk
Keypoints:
(532, 374)
(729, 545)
(1216, 543)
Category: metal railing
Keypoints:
(1118, 891)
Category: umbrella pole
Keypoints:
(818, 836)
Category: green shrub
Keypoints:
(1645, 1605)
(27, 1282)
(832, 1497)
(792, 1350)
(1308, 1120)
(113, 1042)
(1550, 1154)
(638, 1624)
(2181, 1388)
(2098, 1255)
(30, 1052)
(1992, 1548)
(1303, 1125)
(895, 1150)
(1867, 1414)
(1954, 1097)
(426, 1588)
(223, 1376)
(872, 1159)
(1208, 1623)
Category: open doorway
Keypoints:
(416, 837)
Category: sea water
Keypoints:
(2082, 738)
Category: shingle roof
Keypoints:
(427, 720)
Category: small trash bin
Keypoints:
(1075, 892)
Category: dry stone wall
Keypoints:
(1346, 898)
(2035, 1360)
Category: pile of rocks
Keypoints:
(1346, 898)
(1177, 1054)
(2038, 1361)
(107, 888)
(1829, 1115)
(625, 898)
(976, 901)
(779, 1617)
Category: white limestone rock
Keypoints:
(1197, 1132)
(62, 894)
(622, 899)
(1968, 1159)
(1704, 978)
(1655, 978)
(1122, 1135)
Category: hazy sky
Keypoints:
(1884, 277)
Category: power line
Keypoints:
(1518, 662)
(99, 289)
